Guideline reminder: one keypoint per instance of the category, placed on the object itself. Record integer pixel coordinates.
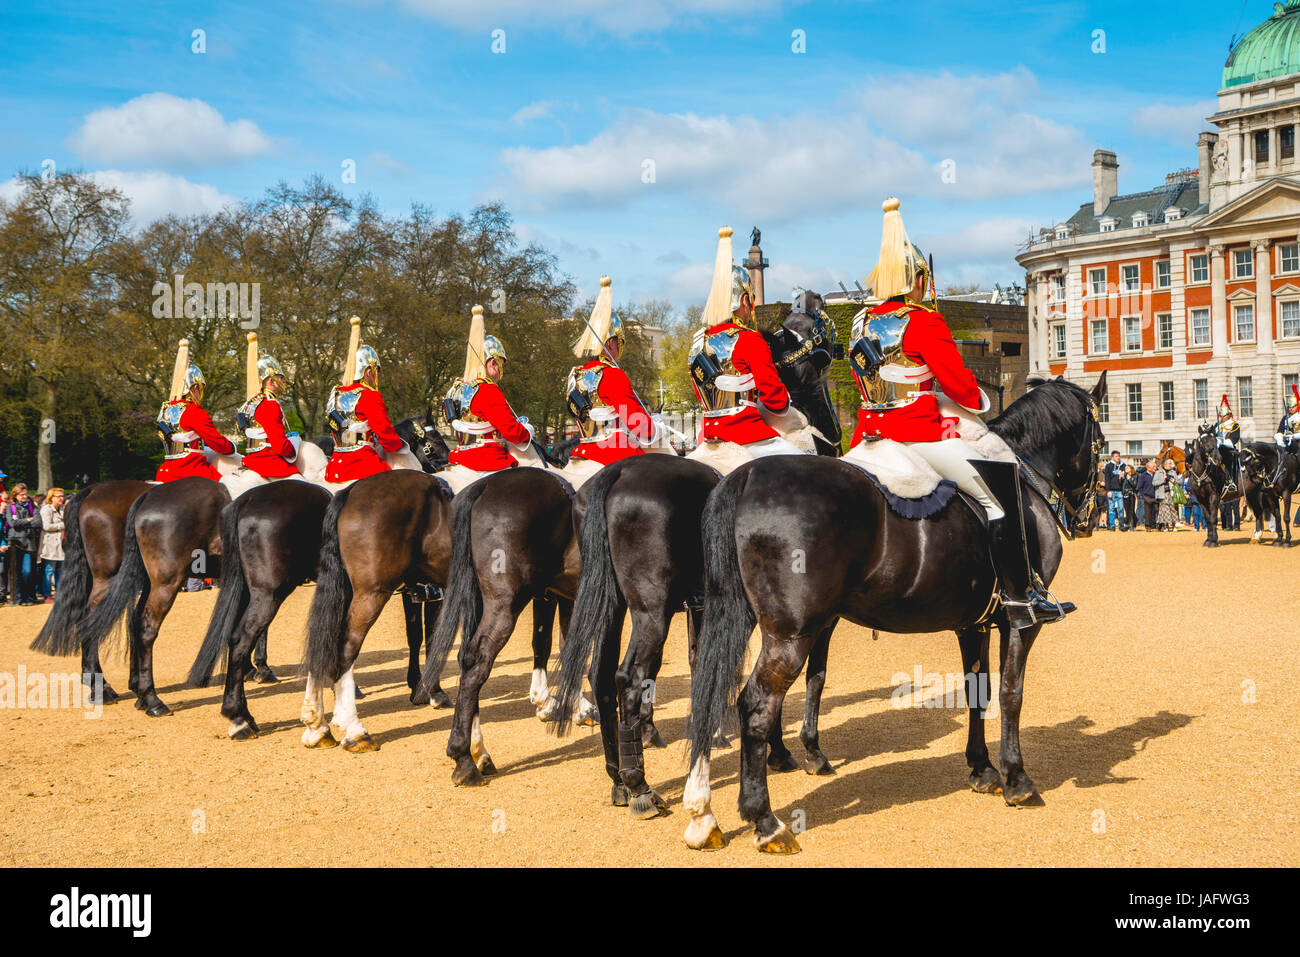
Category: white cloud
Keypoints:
(540, 109)
(606, 16)
(944, 136)
(152, 194)
(159, 129)
(1174, 123)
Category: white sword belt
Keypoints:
(722, 413)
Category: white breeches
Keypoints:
(773, 446)
(726, 457)
(578, 471)
(951, 459)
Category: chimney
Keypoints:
(1205, 144)
(1105, 180)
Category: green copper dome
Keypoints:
(1270, 50)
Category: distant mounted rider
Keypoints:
(271, 449)
(185, 427)
(358, 417)
(1228, 433)
(733, 373)
(489, 436)
(901, 350)
(613, 421)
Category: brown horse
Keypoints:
(94, 530)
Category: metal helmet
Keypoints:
(193, 380)
(616, 331)
(268, 366)
(367, 358)
(493, 349)
(740, 287)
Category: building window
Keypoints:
(1058, 341)
(1243, 264)
(1162, 274)
(1200, 327)
(1097, 282)
(1200, 268)
(1165, 331)
(1060, 288)
(1201, 393)
(1243, 323)
(1131, 280)
(1173, 213)
(1289, 312)
(1135, 401)
(1105, 408)
(1167, 401)
(1141, 218)
(1062, 232)
(1099, 344)
(1261, 147)
(1289, 380)
(1108, 225)
(1286, 142)
(1132, 334)
(1245, 397)
(1133, 448)
(1288, 257)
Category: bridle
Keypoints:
(820, 346)
(1084, 500)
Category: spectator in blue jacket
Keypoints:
(1114, 486)
(1146, 490)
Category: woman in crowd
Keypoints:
(24, 535)
(1102, 496)
(1128, 487)
(1168, 517)
(51, 552)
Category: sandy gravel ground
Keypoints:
(1160, 725)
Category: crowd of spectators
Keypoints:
(31, 544)
(1153, 496)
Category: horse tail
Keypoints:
(462, 605)
(728, 618)
(232, 599)
(131, 580)
(58, 636)
(327, 619)
(597, 605)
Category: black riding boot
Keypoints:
(1023, 591)
(1231, 467)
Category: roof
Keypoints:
(1184, 194)
(1270, 50)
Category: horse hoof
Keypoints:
(1019, 794)
(246, 733)
(107, 695)
(817, 765)
(588, 718)
(618, 795)
(651, 738)
(440, 699)
(359, 693)
(647, 806)
(703, 834)
(485, 766)
(781, 842)
(139, 705)
(158, 710)
(986, 781)
(782, 762)
(264, 676)
(1211, 544)
(360, 744)
(470, 777)
(326, 740)
(419, 698)
(720, 741)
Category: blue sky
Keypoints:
(1010, 99)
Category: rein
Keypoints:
(1081, 513)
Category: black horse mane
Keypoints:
(1034, 421)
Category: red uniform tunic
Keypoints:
(490, 454)
(751, 356)
(616, 391)
(364, 460)
(194, 419)
(275, 459)
(926, 340)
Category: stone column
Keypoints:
(1263, 297)
(1218, 302)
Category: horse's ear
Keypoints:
(1099, 390)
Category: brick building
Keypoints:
(1190, 290)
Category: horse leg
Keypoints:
(650, 736)
(539, 691)
(814, 681)
(759, 707)
(632, 686)
(155, 603)
(604, 685)
(92, 675)
(974, 642)
(437, 697)
(694, 622)
(317, 734)
(362, 614)
(1018, 788)
(262, 606)
(465, 745)
(1212, 522)
(262, 672)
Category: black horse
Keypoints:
(1272, 475)
(642, 553)
(95, 530)
(1209, 474)
(877, 570)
